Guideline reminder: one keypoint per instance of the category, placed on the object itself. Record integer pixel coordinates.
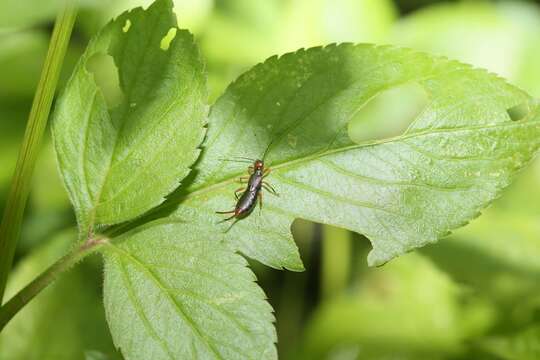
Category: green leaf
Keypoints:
(408, 310)
(118, 163)
(66, 320)
(523, 345)
(172, 294)
(401, 192)
(501, 252)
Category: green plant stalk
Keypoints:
(37, 121)
(335, 266)
(23, 297)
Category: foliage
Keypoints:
(109, 161)
(175, 285)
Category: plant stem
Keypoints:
(23, 297)
(37, 121)
(335, 266)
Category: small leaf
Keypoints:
(121, 162)
(171, 294)
(401, 192)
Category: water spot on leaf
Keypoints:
(167, 39)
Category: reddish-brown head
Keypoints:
(258, 164)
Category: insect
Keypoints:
(247, 201)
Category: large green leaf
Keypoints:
(401, 192)
(172, 294)
(119, 163)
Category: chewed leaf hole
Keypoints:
(389, 113)
(167, 39)
(126, 26)
(518, 112)
(106, 78)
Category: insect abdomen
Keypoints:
(246, 203)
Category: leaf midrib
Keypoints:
(140, 312)
(290, 163)
(176, 202)
(157, 282)
(97, 202)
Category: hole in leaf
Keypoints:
(127, 25)
(518, 112)
(167, 39)
(106, 77)
(389, 113)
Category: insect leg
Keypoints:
(242, 189)
(227, 219)
(270, 188)
(225, 212)
(229, 228)
(267, 172)
(243, 179)
(260, 196)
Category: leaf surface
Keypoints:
(171, 294)
(401, 192)
(118, 163)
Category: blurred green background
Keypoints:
(475, 295)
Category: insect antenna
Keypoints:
(267, 148)
(235, 160)
(243, 158)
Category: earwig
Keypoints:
(251, 193)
